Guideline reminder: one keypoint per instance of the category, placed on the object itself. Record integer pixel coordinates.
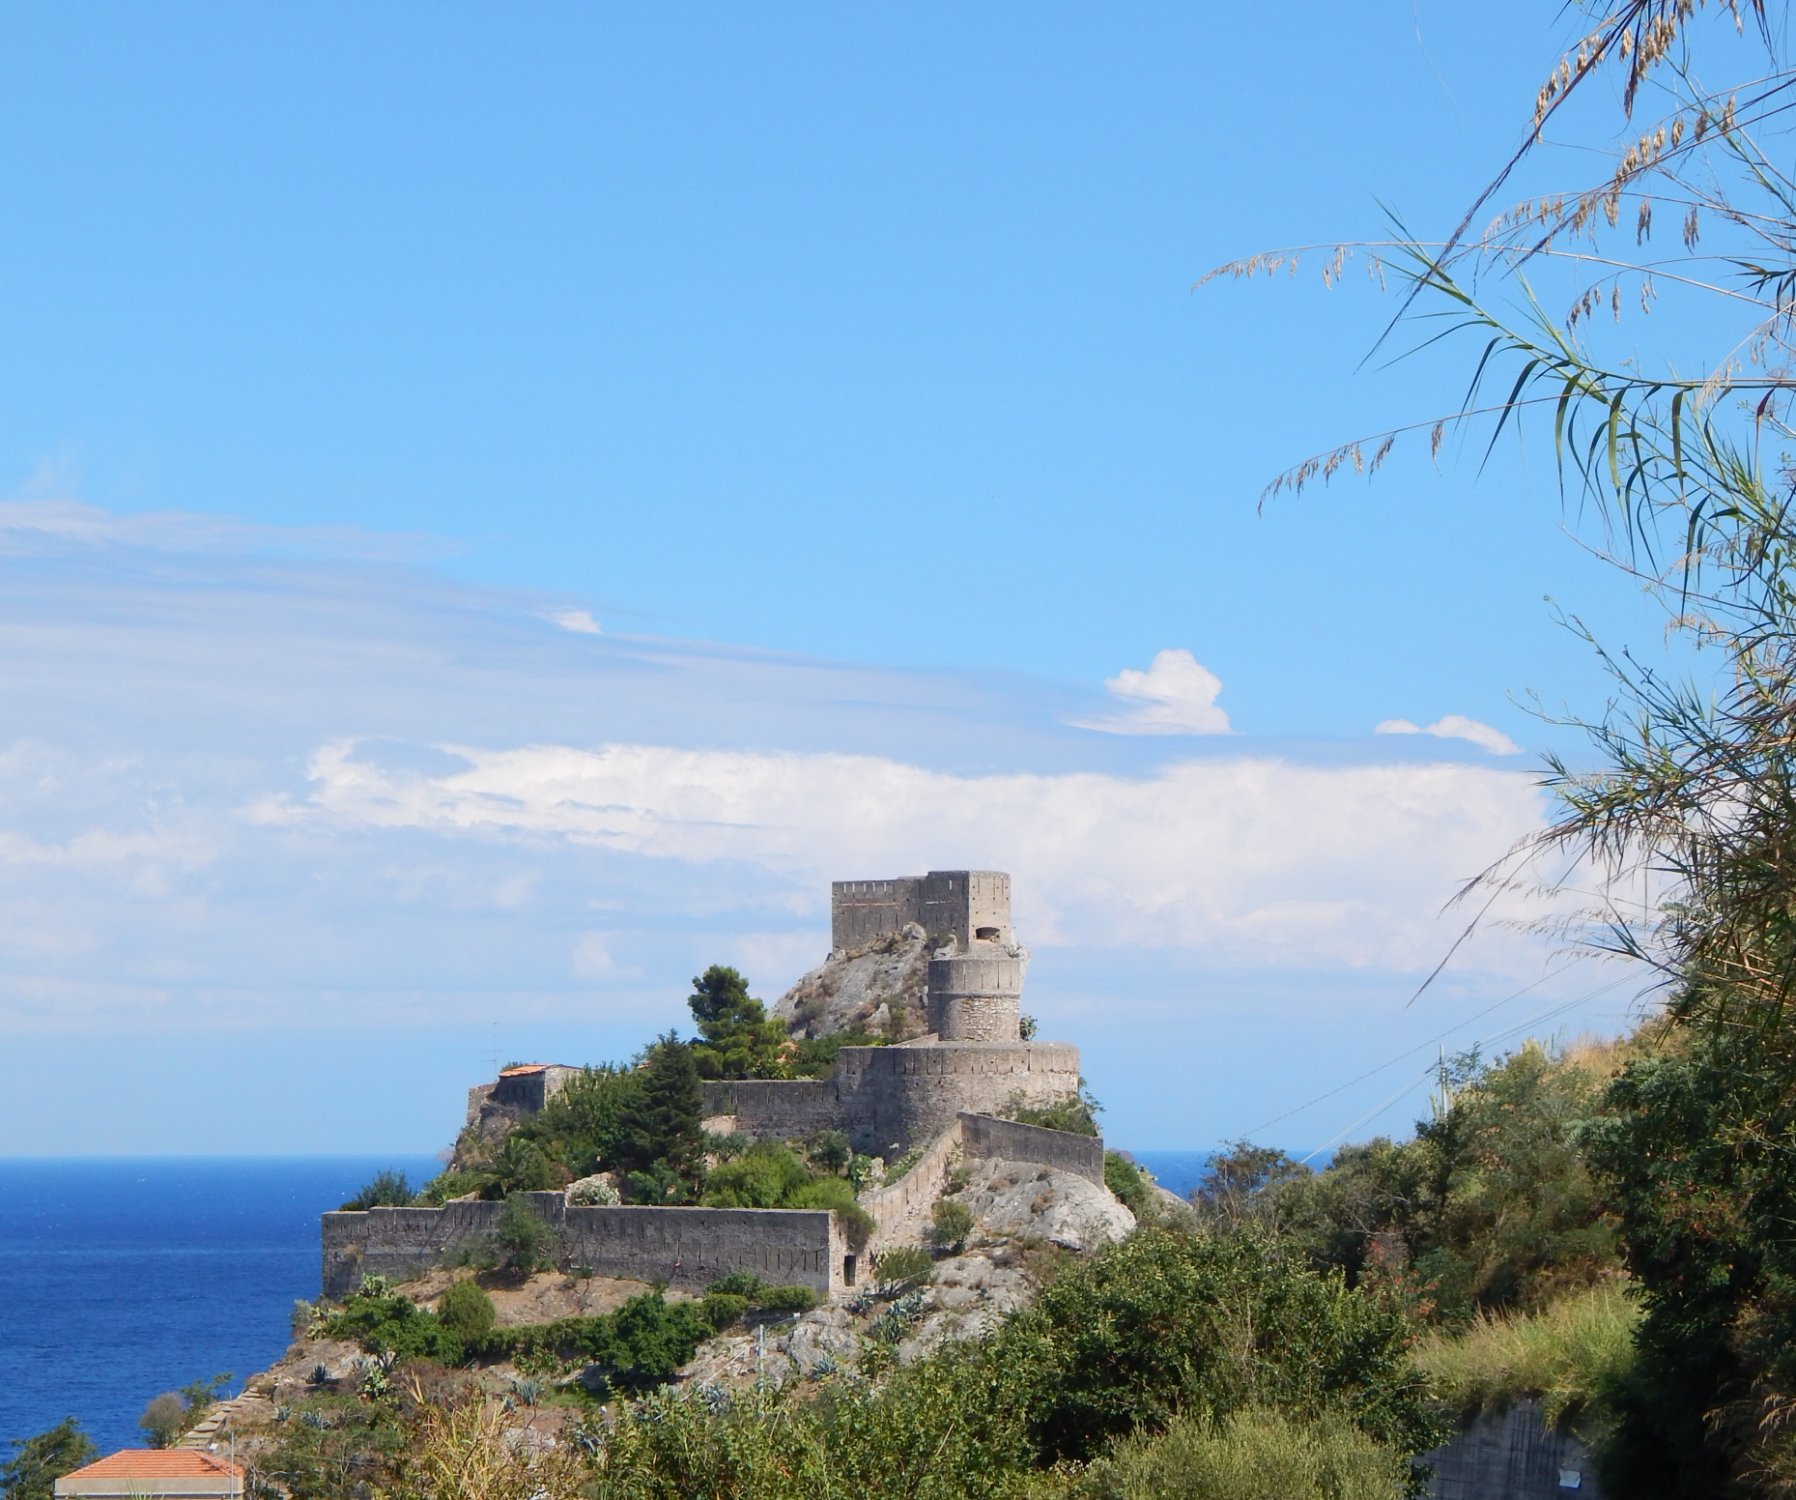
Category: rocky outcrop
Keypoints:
(1015, 1206)
(879, 989)
(1020, 1200)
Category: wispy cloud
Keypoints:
(1175, 695)
(259, 787)
(574, 621)
(1256, 862)
(1455, 727)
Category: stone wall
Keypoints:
(892, 1206)
(684, 1247)
(898, 1096)
(888, 1099)
(982, 1135)
(861, 912)
(776, 1109)
(957, 903)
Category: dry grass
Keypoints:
(1568, 1355)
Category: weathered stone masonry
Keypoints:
(684, 1247)
(889, 1099)
(966, 905)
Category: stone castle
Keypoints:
(933, 1091)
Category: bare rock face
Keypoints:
(877, 989)
(1015, 1205)
(1024, 1200)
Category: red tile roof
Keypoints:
(523, 1068)
(157, 1463)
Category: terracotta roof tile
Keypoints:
(157, 1463)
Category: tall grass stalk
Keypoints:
(1257, 1454)
(1568, 1355)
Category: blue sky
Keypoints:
(502, 507)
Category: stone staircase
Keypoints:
(213, 1431)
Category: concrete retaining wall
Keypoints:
(981, 1135)
(1513, 1455)
(684, 1247)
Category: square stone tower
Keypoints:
(970, 906)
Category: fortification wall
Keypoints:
(894, 1097)
(892, 1207)
(983, 1135)
(861, 912)
(976, 997)
(684, 1247)
(1512, 1455)
(777, 1109)
(888, 1099)
(961, 903)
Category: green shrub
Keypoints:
(1166, 1322)
(1127, 1182)
(829, 1151)
(738, 1284)
(467, 1312)
(451, 1184)
(1255, 1454)
(386, 1189)
(787, 1299)
(902, 1266)
(387, 1323)
(525, 1240)
(1076, 1114)
(721, 1309)
(949, 1225)
(38, 1462)
(163, 1420)
(764, 1176)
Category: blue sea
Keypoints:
(124, 1277)
(1176, 1171)
(121, 1278)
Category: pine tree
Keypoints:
(738, 1040)
(665, 1121)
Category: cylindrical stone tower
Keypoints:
(976, 997)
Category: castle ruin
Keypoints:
(973, 1063)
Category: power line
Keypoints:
(1411, 1052)
(1529, 1024)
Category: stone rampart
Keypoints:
(777, 1109)
(895, 1097)
(684, 1247)
(892, 1206)
(888, 1099)
(966, 905)
(982, 1135)
(861, 912)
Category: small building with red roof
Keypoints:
(166, 1473)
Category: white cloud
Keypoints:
(1455, 727)
(578, 621)
(39, 525)
(1256, 862)
(1175, 695)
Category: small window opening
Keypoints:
(847, 1270)
(986, 934)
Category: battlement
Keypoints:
(971, 906)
